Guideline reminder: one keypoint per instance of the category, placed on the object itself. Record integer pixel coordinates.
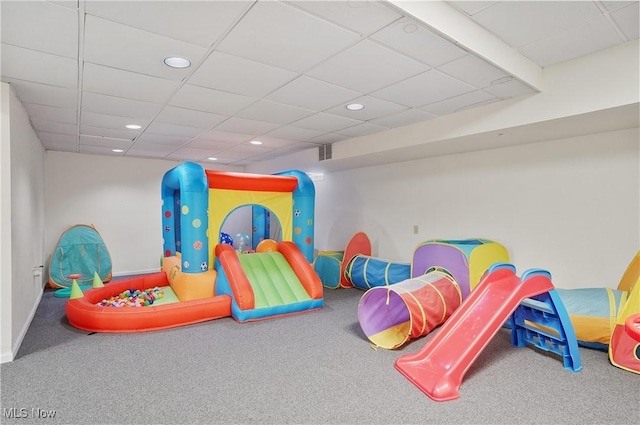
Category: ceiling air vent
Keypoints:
(324, 152)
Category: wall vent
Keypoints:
(324, 152)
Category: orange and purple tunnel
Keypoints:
(392, 315)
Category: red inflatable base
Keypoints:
(83, 313)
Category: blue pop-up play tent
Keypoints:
(80, 251)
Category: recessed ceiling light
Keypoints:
(355, 106)
(133, 126)
(255, 142)
(177, 62)
(409, 28)
(117, 150)
(212, 158)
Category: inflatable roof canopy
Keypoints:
(80, 250)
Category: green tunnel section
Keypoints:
(272, 279)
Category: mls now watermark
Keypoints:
(23, 412)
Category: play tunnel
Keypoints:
(365, 272)
(390, 316)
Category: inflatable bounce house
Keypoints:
(278, 281)
(79, 254)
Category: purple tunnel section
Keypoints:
(374, 302)
(445, 257)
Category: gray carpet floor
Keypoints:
(312, 368)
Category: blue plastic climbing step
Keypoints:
(543, 321)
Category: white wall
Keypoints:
(120, 196)
(6, 342)
(26, 220)
(568, 206)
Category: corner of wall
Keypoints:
(6, 347)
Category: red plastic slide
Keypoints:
(438, 368)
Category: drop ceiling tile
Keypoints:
(272, 142)
(309, 93)
(189, 117)
(38, 67)
(243, 125)
(509, 89)
(40, 26)
(57, 139)
(72, 4)
(263, 157)
(273, 112)
(243, 151)
(628, 19)
(288, 150)
(472, 7)
(112, 133)
(196, 22)
(511, 20)
(366, 67)
(60, 147)
(54, 127)
(234, 74)
(94, 119)
(365, 17)
(453, 104)
(210, 145)
(150, 149)
(428, 87)
(295, 133)
(209, 100)
(164, 129)
(615, 5)
(223, 137)
(110, 43)
(51, 113)
(406, 117)
(105, 142)
(361, 130)
(595, 35)
(43, 94)
(127, 84)
(329, 138)
(473, 70)
(174, 141)
(373, 108)
(285, 37)
(298, 146)
(119, 106)
(326, 122)
(412, 38)
(190, 154)
(98, 150)
(221, 161)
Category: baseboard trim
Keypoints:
(9, 357)
(6, 357)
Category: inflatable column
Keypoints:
(184, 216)
(303, 210)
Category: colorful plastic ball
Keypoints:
(226, 238)
(241, 242)
(267, 245)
